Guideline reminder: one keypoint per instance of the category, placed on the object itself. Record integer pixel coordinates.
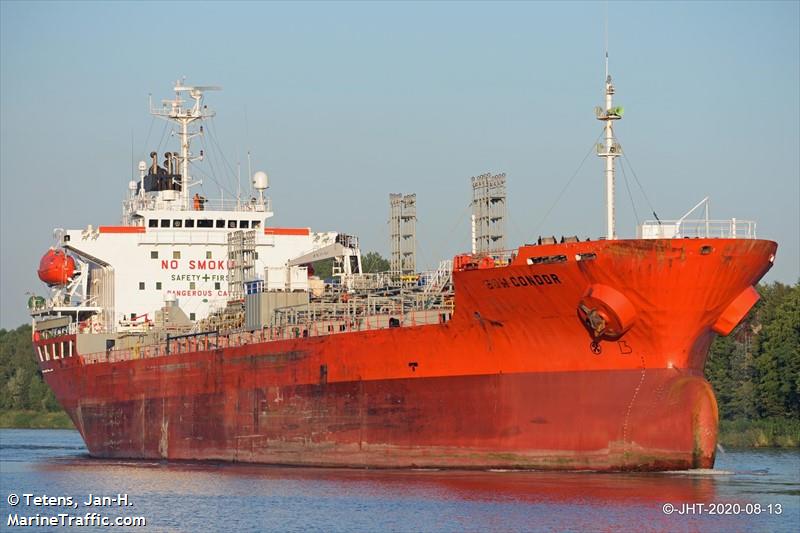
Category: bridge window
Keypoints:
(177, 223)
(220, 223)
(153, 223)
(154, 254)
(189, 223)
(141, 285)
(256, 224)
(232, 224)
(205, 223)
(244, 224)
(164, 223)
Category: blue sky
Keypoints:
(343, 103)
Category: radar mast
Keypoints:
(175, 111)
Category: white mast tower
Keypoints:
(610, 150)
(174, 110)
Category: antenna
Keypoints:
(609, 150)
(175, 111)
(132, 156)
(247, 140)
(606, 39)
(239, 183)
(249, 164)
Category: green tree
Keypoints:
(756, 370)
(323, 269)
(21, 384)
(372, 262)
(37, 393)
(17, 389)
(50, 403)
(718, 372)
(778, 361)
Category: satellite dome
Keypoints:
(260, 180)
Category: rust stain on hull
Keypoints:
(514, 380)
(546, 421)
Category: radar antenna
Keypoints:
(175, 111)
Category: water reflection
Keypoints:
(210, 478)
(191, 496)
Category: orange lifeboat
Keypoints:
(56, 267)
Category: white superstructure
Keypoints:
(172, 244)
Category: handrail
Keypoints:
(217, 204)
(214, 340)
(699, 228)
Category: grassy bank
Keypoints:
(763, 433)
(24, 419)
(742, 433)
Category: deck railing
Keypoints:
(698, 228)
(205, 341)
(132, 205)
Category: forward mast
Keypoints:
(609, 150)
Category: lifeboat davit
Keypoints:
(56, 267)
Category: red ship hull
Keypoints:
(515, 380)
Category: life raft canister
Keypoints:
(606, 312)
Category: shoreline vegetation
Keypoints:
(27, 419)
(767, 433)
(764, 433)
(755, 372)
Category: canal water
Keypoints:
(49, 478)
